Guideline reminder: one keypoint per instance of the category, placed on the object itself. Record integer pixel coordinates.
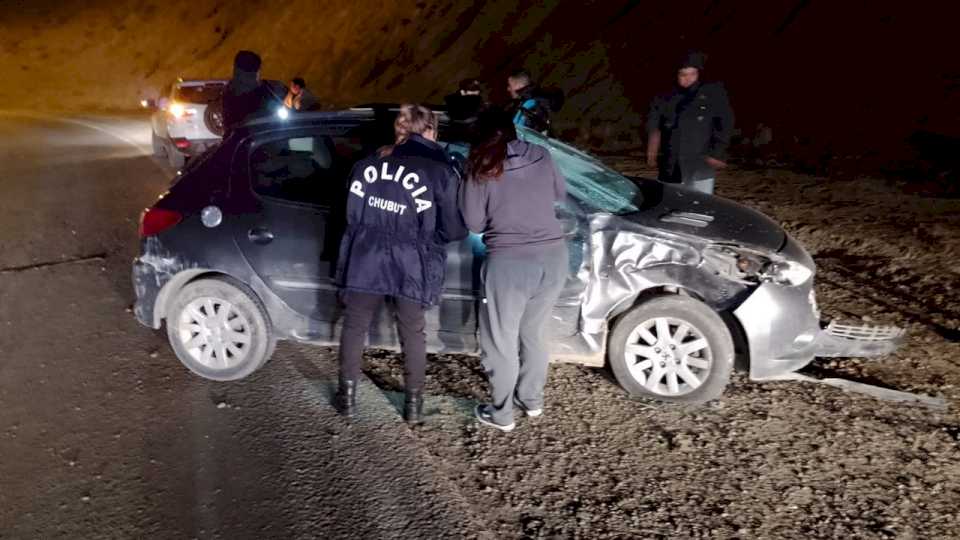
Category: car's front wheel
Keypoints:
(672, 348)
(218, 330)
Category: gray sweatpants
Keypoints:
(520, 292)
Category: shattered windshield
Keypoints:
(594, 185)
(597, 187)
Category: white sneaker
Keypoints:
(485, 418)
(533, 413)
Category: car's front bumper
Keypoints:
(783, 332)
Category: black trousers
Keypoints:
(411, 324)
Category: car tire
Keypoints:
(175, 158)
(691, 368)
(218, 330)
(157, 143)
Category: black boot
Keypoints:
(346, 399)
(413, 407)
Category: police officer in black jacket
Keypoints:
(692, 125)
(401, 213)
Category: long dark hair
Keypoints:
(488, 150)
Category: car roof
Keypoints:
(351, 116)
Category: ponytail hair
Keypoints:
(492, 132)
(412, 119)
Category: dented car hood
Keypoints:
(678, 210)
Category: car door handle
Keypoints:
(259, 235)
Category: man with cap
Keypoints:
(465, 104)
(246, 96)
(692, 126)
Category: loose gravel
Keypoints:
(768, 460)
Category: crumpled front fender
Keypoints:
(624, 259)
(781, 327)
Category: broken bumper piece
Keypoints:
(838, 340)
(783, 332)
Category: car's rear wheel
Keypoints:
(672, 348)
(218, 330)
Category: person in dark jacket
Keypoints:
(692, 126)
(465, 104)
(530, 106)
(299, 97)
(401, 213)
(246, 96)
(510, 198)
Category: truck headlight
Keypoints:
(788, 273)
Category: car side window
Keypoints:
(308, 169)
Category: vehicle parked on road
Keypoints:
(665, 285)
(187, 119)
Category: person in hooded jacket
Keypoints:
(401, 212)
(246, 96)
(509, 198)
(530, 106)
(692, 125)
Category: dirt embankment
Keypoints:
(833, 81)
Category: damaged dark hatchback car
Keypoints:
(666, 285)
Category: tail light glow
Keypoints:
(179, 110)
(154, 221)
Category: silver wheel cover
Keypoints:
(214, 333)
(668, 357)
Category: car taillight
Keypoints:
(178, 110)
(154, 221)
(182, 144)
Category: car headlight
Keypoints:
(788, 273)
(752, 266)
(283, 113)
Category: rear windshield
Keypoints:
(199, 94)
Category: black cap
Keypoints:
(471, 85)
(694, 59)
(248, 61)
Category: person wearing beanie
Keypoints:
(466, 103)
(689, 128)
(246, 96)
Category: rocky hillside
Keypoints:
(830, 79)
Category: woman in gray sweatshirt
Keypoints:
(509, 198)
